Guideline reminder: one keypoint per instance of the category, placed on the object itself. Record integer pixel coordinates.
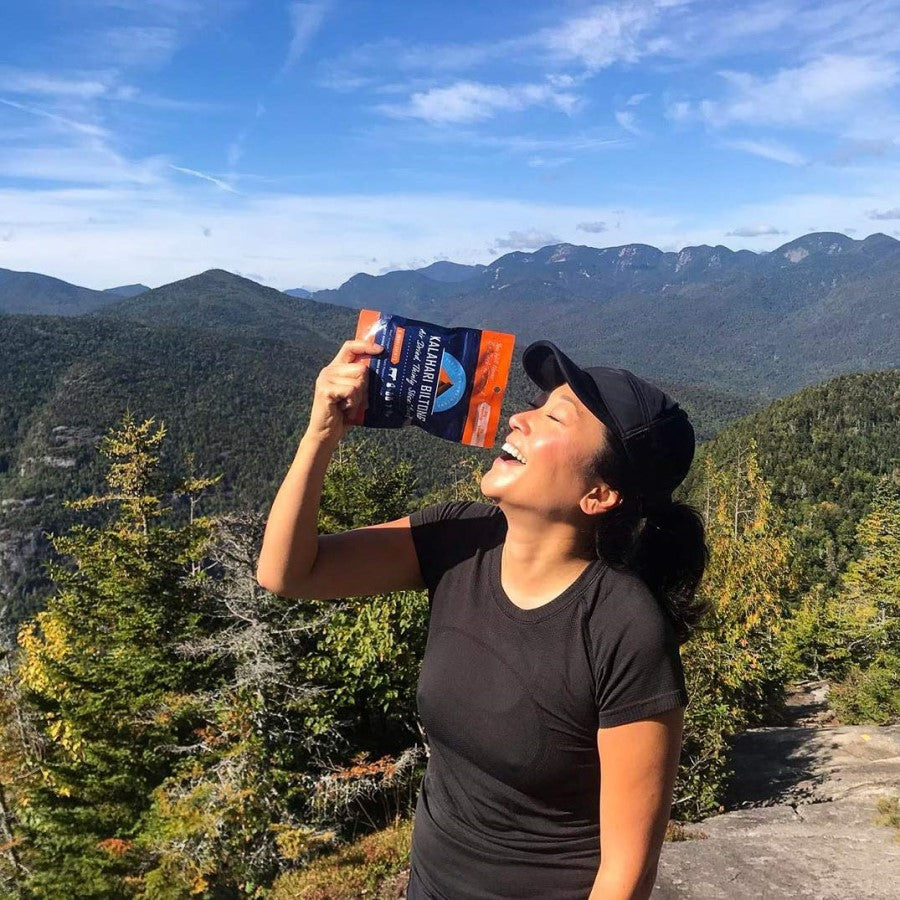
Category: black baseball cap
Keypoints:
(653, 432)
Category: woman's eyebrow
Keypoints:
(568, 400)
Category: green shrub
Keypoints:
(870, 695)
(355, 871)
(889, 814)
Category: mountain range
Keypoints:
(755, 324)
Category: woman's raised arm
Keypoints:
(295, 561)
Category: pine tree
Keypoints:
(870, 585)
(101, 666)
(866, 613)
(732, 664)
(270, 777)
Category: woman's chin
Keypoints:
(497, 478)
(487, 486)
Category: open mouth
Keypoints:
(508, 453)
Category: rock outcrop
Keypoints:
(802, 816)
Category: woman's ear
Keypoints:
(600, 499)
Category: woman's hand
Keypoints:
(340, 391)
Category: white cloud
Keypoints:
(822, 90)
(20, 81)
(531, 239)
(636, 99)
(218, 182)
(576, 143)
(153, 234)
(679, 111)
(755, 231)
(78, 165)
(548, 162)
(592, 227)
(773, 150)
(884, 214)
(607, 34)
(306, 18)
(468, 101)
(85, 128)
(628, 121)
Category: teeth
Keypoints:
(508, 448)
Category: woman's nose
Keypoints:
(517, 420)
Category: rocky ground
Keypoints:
(800, 821)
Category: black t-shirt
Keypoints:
(511, 700)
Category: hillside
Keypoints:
(229, 366)
(229, 304)
(822, 450)
(35, 294)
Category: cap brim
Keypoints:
(548, 367)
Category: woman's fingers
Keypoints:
(352, 350)
(341, 389)
(356, 370)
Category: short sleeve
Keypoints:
(637, 664)
(445, 534)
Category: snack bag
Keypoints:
(449, 381)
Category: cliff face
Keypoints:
(21, 554)
(51, 461)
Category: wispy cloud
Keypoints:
(520, 143)
(468, 101)
(592, 227)
(218, 182)
(884, 214)
(810, 95)
(628, 121)
(19, 81)
(773, 150)
(548, 162)
(78, 165)
(614, 32)
(85, 128)
(306, 19)
(530, 239)
(753, 231)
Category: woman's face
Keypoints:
(557, 439)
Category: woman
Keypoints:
(556, 616)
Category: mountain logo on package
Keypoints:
(451, 383)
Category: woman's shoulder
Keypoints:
(454, 509)
(623, 595)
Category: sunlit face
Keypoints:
(557, 439)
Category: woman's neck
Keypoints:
(540, 559)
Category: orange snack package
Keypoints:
(448, 381)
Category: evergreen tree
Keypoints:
(101, 667)
(866, 613)
(732, 664)
(314, 688)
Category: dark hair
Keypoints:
(665, 547)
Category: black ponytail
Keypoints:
(665, 545)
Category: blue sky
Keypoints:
(299, 143)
